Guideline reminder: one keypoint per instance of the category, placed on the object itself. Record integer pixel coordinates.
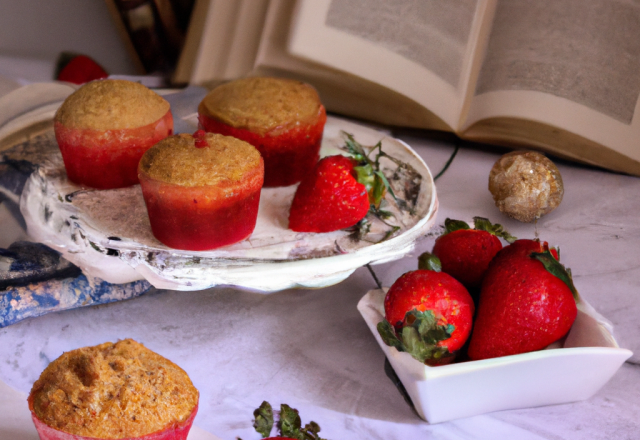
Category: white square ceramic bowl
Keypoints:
(588, 358)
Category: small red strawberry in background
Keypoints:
(330, 198)
(527, 302)
(427, 314)
(80, 69)
(465, 253)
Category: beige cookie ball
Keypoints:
(525, 185)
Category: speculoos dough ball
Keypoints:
(525, 185)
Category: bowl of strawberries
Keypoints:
(482, 327)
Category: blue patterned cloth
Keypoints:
(36, 280)
(18, 303)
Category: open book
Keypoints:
(562, 76)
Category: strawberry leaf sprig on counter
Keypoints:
(288, 423)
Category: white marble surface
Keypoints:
(312, 350)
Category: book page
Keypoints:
(420, 49)
(341, 92)
(572, 64)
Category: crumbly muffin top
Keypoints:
(111, 104)
(262, 104)
(113, 391)
(179, 161)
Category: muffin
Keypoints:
(201, 191)
(113, 391)
(104, 128)
(284, 119)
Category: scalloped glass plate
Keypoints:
(107, 232)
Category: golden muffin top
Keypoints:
(262, 104)
(207, 159)
(113, 391)
(111, 104)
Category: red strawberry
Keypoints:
(427, 314)
(81, 69)
(330, 198)
(527, 302)
(465, 253)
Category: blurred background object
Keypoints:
(33, 34)
(153, 30)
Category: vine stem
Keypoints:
(446, 165)
(375, 277)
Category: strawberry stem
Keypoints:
(368, 173)
(428, 261)
(451, 225)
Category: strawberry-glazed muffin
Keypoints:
(113, 391)
(202, 191)
(104, 128)
(284, 119)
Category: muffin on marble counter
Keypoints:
(113, 391)
(284, 119)
(202, 191)
(104, 128)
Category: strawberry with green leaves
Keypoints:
(427, 314)
(465, 253)
(341, 191)
(527, 302)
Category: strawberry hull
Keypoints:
(289, 154)
(204, 217)
(107, 159)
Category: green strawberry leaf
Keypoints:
(419, 337)
(428, 261)
(483, 224)
(385, 184)
(384, 214)
(263, 419)
(354, 148)
(311, 430)
(388, 335)
(291, 425)
(451, 225)
(554, 267)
